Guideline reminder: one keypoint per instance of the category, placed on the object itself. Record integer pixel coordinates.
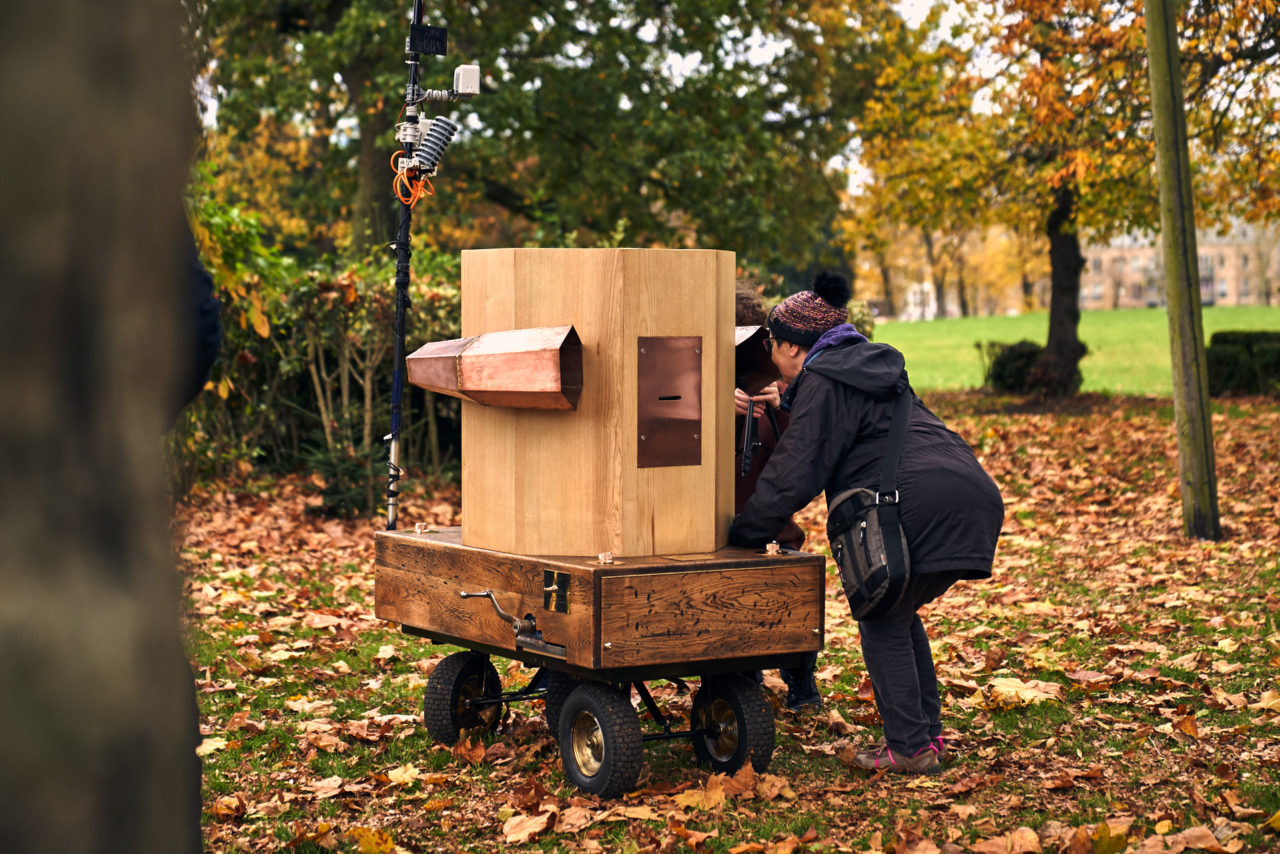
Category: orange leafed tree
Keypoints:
(1041, 109)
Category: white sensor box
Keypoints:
(466, 80)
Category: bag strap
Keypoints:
(893, 450)
(887, 496)
(841, 515)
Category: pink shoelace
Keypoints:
(886, 752)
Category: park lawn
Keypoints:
(1128, 348)
(1114, 685)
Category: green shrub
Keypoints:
(347, 479)
(1007, 367)
(303, 378)
(1058, 376)
(861, 317)
(1266, 358)
(1230, 370)
(1246, 339)
(1244, 361)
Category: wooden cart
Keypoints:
(595, 630)
(596, 390)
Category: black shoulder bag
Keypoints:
(864, 528)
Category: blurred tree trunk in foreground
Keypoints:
(96, 702)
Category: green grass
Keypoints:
(1128, 348)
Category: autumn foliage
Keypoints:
(1112, 688)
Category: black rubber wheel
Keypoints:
(739, 723)
(460, 677)
(559, 687)
(600, 742)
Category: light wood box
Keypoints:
(570, 483)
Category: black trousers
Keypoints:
(896, 650)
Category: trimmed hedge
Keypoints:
(1230, 370)
(1244, 362)
(1266, 357)
(1250, 340)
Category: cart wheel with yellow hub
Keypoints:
(733, 722)
(600, 741)
(449, 702)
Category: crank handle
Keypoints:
(518, 625)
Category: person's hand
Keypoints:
(769, 395)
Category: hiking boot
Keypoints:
(808, 703)
(881, 758)
(938, 743)
(802, 691)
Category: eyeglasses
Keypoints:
(768, 344)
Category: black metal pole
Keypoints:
(403, 253)
(394, 472)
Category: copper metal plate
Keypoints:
(669, 408)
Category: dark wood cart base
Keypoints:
(596, 631)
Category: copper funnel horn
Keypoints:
(522, 368)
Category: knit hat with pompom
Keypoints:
(802, 318)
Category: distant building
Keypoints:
(920, 302)
(1240, 268)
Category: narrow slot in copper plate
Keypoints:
(669, 405)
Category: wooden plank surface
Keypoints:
(418, 580)
(709, 614)
(723, 449)
(680, 293)
(653, 610)
(567, 482)
(546, 482)
(451, 538)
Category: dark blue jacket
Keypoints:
(202, 323)
(841, 408)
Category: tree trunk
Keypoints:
(1262, 263)
(1178, 234)
(960, 289)
(371, 216)
(319, 381)
(344, 388)
(885, 279)
(938, 276)
(1057, 371)
(97, 705)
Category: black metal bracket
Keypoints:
(654, 712)
(428, 39)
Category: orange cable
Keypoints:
(416, 190)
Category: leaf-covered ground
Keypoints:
(1113, 688)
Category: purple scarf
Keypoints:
(841, 334)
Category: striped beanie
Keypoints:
(802, 318)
